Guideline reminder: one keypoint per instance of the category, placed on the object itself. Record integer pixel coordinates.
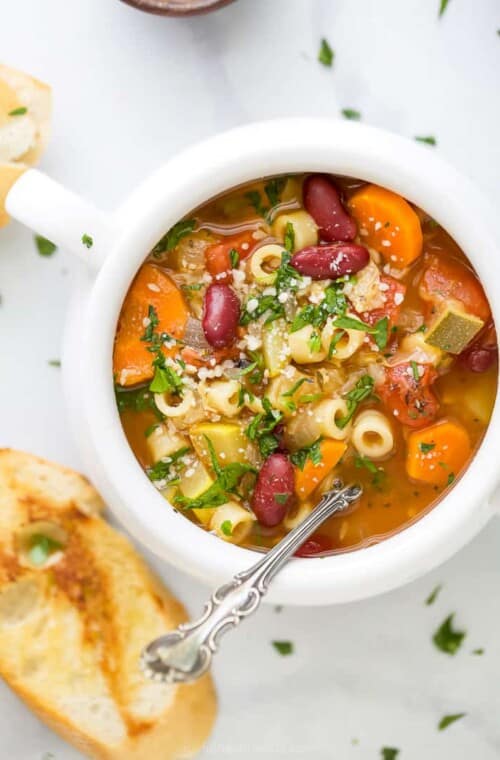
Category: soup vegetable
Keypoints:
(297, 331)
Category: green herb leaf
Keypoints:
(478, 652)
(414, 370)
(234, 258)
(289, 237)
(361, 391)
(451, 479)
(426, 447)
(169, 467)
(312, 452)
(138, 400)
(443, 6)
(227, 528)
(433, 595)
(261, 428)
(192, 286)
(273, 190)
(283, 647)
(45, 247)
(54, 362)
(380, 330)
(255, 200)
(174, 236)
(18, 111)
(447, 639)
(314, 342)
(281, 498)
(334, 303)
(428, 140)
(41, 547)
(447, 720)
(351, 114)
(295, 387)
(165, 380)
(362, 461)
(87, 241)
(326, 54)
(389, 753)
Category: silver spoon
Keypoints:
(185, 654)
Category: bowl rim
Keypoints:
(181, 185)
(179, 8)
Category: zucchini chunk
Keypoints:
(454, 330)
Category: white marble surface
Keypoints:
(130, 90)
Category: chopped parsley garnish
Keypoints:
(41, 547)
(361, 391)
(433, 595)
(447, 720)
(54, 362)
(287, 280)
(334, 303)
(169, 467)
(227, 480)
(389, 753)
(289, 237)
(261, 428)
(447, 639)
(351, 114)
(380, 330)
(166, 379)
(234, 258)
(312, 452)
(227, 527)
(45, 247)
(255, 200)
(479, 652)
(310, 398)
(451, 479)
(314, 342)
(426, 447)
(283, 647)
(295, 387)
(274, 188)
(326, 54)
(415, 371)
(379, 474)
(174, 236)
(442, 7)
(192, 286)
(281, 498)
(428, 140)
(18, 111)
(138, 400)
(87, 241)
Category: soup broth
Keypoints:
(296, 332)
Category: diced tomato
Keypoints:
(411, 401)
(317, 544)
(202, 358)
(218, 260)
(450, 279)
(394, 296)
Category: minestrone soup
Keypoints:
(297, 331)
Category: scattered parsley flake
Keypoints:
(443, 6)
(451, 479)
(281, 498)
(41, 548)
(87, 240)
(312, 452)
(478, 652)
(361, 391)
(283, 647)
(389, 753)
(447, 720)
(174, 236)
(234, 258)
(45, 247)
(18, 111)
(289, 237)
(426, 447)
(351, 114)
(447, 639)
(427, 140)
(380, 330)
(227, 528)
(433, 595)
(273, 189)
(54, 362)
(326, 54)
(415, 372)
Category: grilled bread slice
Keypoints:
(77, 606)
(25, 112)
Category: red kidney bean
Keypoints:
(322, 201)
(327, 262)
(221, 315)
(317, 544)
(275, 482)
(478, 359)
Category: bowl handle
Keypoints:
(67, 220)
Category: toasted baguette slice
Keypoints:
(75, 618)
(25, 112)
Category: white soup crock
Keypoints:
(123, 240)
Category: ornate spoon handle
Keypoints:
(186, 653)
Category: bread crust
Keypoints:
(71, 633)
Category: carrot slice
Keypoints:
(307, 479)
(218, 259)
(132, 362)
(437, 454)
(387, 223)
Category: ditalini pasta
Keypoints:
(294, 333)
